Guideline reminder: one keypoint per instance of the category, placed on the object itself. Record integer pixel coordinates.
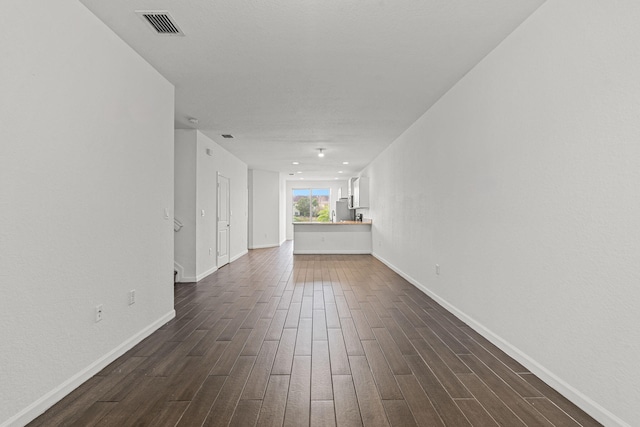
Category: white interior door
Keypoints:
(224, 215)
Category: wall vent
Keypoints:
(160, 22)
(227, 136)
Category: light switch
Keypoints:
(166, 213)
(202, 212)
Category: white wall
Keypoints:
(206, 209)
(332, 185)
(196, 182)
(185, 203)
(228, 165)
(282, 234)
(250, 209)
(86, 163)
(264, 209)
(522, 182)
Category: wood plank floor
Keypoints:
(275, 339)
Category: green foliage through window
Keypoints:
(311, 205)
(323, 215)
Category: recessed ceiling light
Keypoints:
(345, 163)
(299, 171)
(301, 178)
(227, 136)
(295, 163)
(320, 152)
(340, 172)
(335, 177)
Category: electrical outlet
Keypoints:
(437, 269)
(132, 296)
(98, 313)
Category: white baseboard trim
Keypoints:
(592, 408)
(282, 243)
(180, 269)
(38, 407)
(269, 245)
(206, 273)
(241, 254)
(331, 252)
(193, 279)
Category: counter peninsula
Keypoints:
(344, 237)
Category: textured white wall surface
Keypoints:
(207, 202)
(225, 163)
(264, 216)
(523, 183)
(86, 161)
(185, 202)
(282, 235)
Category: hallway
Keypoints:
(273, 339)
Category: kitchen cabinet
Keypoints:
(350, 191)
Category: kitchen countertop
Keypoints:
(367, 222)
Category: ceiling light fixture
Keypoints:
(320, 152)
(299, 171)
(345, 163)
(340, 172)
(295, 163)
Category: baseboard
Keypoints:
(592, 408)
(206, 273)
(241, 254)
(38, 407)
(331, 252)
(180, 269)
(269, 245)
(282, 243)
(191, 279)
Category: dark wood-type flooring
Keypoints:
(275, 339)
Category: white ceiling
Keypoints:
(286, 77)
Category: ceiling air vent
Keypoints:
(161, 22)
(227, 136)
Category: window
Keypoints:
(311, 205)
